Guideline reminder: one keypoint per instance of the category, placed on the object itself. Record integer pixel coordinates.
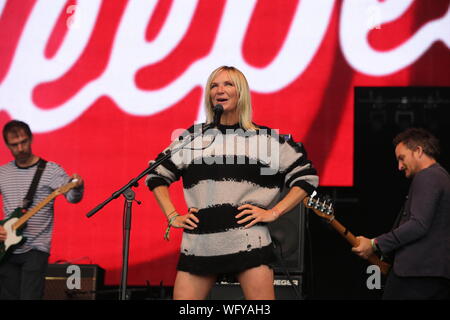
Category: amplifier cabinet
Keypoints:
(284, 289)
(73, 281)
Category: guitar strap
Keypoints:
(28, 200)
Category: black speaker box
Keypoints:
(73, 281)
(285, 289)
(287, 233)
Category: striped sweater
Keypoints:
(14, 185)
(222, 170)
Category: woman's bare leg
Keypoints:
(190, 286)
(257, 283)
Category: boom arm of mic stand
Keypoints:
(134, 182)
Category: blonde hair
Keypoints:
(244, 104)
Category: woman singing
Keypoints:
(232, 179)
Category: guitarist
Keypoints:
(22, 273)
(420, 240)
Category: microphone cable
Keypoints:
(285, 269)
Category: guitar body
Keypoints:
(16, 222)
(13, 237)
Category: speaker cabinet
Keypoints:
(284, 289)
(73, 281)
(287, 233)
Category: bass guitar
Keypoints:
(325, 210)
(16, 222)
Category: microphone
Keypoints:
(218, 110)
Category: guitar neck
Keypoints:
(43, 203)
(343, 231)
(23, 219)
(373, 258)
(324, 210)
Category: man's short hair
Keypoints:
(14, 127)
(415, 137)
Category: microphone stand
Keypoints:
(129, 195)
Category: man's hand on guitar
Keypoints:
(2, 234)
(364, 248)
(80, 181)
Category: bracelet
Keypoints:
(168, 216)
(167, 233)
(374, 244)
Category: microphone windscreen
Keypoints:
(218, 108)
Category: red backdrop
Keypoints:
(104, 84)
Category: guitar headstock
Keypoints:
(322, 207)
(66, 187)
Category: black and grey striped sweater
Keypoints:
(222, 170)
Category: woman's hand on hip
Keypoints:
(254, 214)
(188, 221)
